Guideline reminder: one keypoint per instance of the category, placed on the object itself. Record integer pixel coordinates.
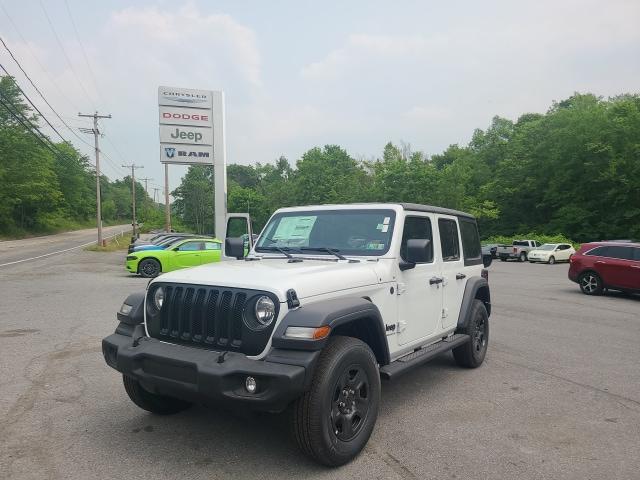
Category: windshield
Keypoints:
(548, 246)
(349, 232)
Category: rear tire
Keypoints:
(472, 353)
(503, 259)
(590, 283)
(158, 404)
(522, 257)
(149, 268)
(333, 421)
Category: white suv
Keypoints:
(330, 299)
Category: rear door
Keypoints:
(452, 269)
(635, 269)
(211, 253)
(615, 265)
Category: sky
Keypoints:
(300, 74)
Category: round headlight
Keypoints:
(265, 310)
(158, 297)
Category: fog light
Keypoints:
(251, 385)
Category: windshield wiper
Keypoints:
(333, 251)
(284, 251)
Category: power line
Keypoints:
(64, 52)
(33, 105)
(30, 127)
(35, 57)
(40, 93)
(84, 53)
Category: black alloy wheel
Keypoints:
(472, 353)
(333, 420)
(149, 268)
(350, 403)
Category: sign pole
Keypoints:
(219, 164)
(167, 207)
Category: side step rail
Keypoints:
(423, 355)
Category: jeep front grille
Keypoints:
(207, 317)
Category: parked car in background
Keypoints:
(490, 249)
(165, 243)
(551, 253)
(518, 250)
(599, 266)
(185, 253)
(155, 239)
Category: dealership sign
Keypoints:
(186, 125)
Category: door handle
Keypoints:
(600, 261)
(460, 276)
(635, 266)
(435, 280)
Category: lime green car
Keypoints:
(189, 252)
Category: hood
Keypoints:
(307, 278)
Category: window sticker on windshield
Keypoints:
(385, 228)
(294, 228)
(375, 245)
(387, 220)
(380, 226)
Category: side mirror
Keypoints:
(417, 252)
(487, 260)
(234, 247)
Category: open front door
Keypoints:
(239, 225)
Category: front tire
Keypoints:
(472, 353)
(590, 283)
(333, 421)
(149, 268)
(552, 260)
(158, 404)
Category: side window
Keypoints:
(598, 252)
(470, 242)
(190, 247)
(416, 228)
(212, 246)
(449, 241)
(636, 254)
(623, 253)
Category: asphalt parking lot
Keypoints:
(557, 397)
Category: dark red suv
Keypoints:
(606, 265)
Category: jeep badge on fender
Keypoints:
(379, 289)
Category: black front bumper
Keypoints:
(205, 376)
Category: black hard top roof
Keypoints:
(416, 207)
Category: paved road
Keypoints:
(558, 396)
(20, 250)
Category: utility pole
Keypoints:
(133, 168)
(145, 180)
(96, 134)
(155, 195)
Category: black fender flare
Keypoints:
(476, 288)
(334, 313)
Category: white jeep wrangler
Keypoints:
(330, 299)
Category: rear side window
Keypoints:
(612, 251)
(636, 254)
(521, 243)
(449, 241)
(470, 242)
(212, 246)
(416, 228)
(623, 253)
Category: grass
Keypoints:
(113, 245)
